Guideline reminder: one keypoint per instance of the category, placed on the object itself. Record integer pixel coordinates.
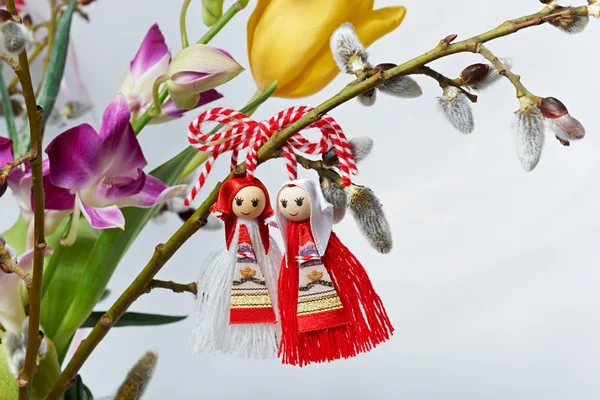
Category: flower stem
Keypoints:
(8, 114)
(175, 287)
(157, 107)
(182, 24)
(164, 252)
(35, 291)
(212, 32)
(257, 99)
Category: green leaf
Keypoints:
(8, 383)
(104, 257)
(16, 235)
(135, 319)
(62, 275)
(78, 391)
(56, 65)
(47, 373)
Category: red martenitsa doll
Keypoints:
(328, 307)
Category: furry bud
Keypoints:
(370, 218)
(337, 197)
(349, 53)
(14, 37)
(367, 98)
(138, 378)
(403, 86)
(569, 23)
(360, 147)
(455, 106)
(529, 137)
(76, 109)
(481, 76)
(594, 8)
(565, 127)
(5, 16)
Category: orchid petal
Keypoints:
(171, 110)
(6, 151)
(55, 198)
(154, 192)
(121, 152)
(115, 189)
(103, 218)
(74, 158)
(151, 52)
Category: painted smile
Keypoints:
(293, 215)
(245, 213)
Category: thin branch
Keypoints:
(9, 266)
(502, 70)
(175, 287)
(34, 54)
(444, 81)
(164, 252)
(6, 170)
(12, 62)
(35, 291)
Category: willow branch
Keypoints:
(175, 287)
(444, 81)
(502, 70)
(164, 252)
(35, 291)
(7, 169)
(9, 266)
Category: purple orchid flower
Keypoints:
(150, 63)
(103, 171)
(20, 182)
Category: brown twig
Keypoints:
(444, 81)
(9, 266)
(164, 252)
(6, 170)
(175, 287)
(34, 114)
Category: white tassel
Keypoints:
(212, 331)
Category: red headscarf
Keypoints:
(228, 191)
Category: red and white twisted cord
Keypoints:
(245, 133)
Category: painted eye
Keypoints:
(255, 202)
(284, 203)
(299, 201)
(239, 201)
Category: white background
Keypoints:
(493, 281)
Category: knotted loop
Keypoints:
(244, 133)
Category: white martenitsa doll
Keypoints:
(237, 288)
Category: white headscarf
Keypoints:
(321, 214)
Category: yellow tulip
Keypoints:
(288, 40)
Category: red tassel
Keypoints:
(369, 322)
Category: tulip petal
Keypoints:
(6, 151)
(121, 153)
(103, 218)
(74, 157)
(152, 51)
(378, 23)
(171, 110)
(154, 192)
